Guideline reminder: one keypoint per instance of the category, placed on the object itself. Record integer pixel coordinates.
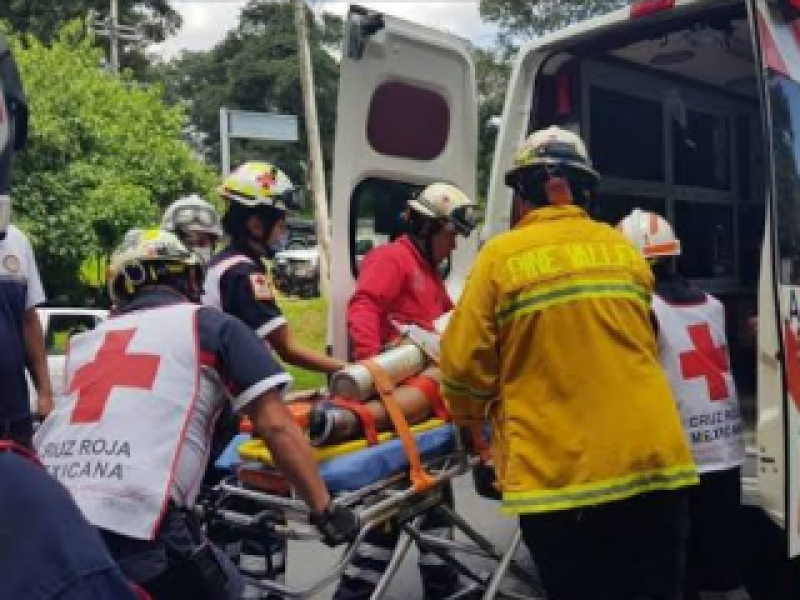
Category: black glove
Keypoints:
(336, 524)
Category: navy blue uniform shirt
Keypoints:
(48, 550)
(245, 289)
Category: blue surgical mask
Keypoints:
(279, 244)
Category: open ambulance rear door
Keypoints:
(778, 41)
(406, 116)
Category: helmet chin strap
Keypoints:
(262, 244)
(257, 244)
(424, 243)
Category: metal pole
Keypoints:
(113, 35)
(224, 142)
(314, 147)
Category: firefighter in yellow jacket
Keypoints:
(553, 340)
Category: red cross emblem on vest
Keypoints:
(112, 367)
(707, 361)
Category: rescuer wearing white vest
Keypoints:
(258, 198)
(131, 438)
(694, 353)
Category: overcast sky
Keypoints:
(205, 22)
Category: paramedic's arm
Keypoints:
(289, 448)
(284, 344)
(379, 283)
(33, 336)
(248, 297)
(256, 383)
(469, 360)
(36, 359)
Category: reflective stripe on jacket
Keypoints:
(553, 340)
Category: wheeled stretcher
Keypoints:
(380, 484)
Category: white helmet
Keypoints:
(150, 257)
(256, 184)
(191, 213)
(446, 202)
(551, 148)
(650, 233)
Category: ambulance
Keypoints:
(690, 108)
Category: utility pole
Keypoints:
(113, 35)
(317, 167)
(111, 28)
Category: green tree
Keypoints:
(255, 67)
(105, 154)
(521, 20)
(491, 73)
(156, 19)
(44, 18)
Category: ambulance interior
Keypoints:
(672, 121)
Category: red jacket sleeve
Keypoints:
(379, 284)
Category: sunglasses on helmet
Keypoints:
(463, 219)
(193, 215)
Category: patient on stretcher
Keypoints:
(335, 421)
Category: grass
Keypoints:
(308, 320)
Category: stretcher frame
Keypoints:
(392, 498)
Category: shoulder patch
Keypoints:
(262, 287)
(11, 263)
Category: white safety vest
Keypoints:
(694, 354)
(114, 440)
(212, 296)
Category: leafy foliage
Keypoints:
(521, 20)
(155, 19)
(256, 68)
(43, 18)
(105, 154)
(491, 72)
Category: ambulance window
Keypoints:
(376, 216)
(407, 121)
(706, 233)
(701, 151)
(626, 135)
(785, 104)
(744, 156)
(611, 208)
(751, 237)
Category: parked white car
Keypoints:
(58, 325)
(296, 271)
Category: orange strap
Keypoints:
(419, 478)
(430, 389)
(364, 415)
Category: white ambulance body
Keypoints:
(690, 108)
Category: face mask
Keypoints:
(279, 244)
(204, 252)
(5, 215)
